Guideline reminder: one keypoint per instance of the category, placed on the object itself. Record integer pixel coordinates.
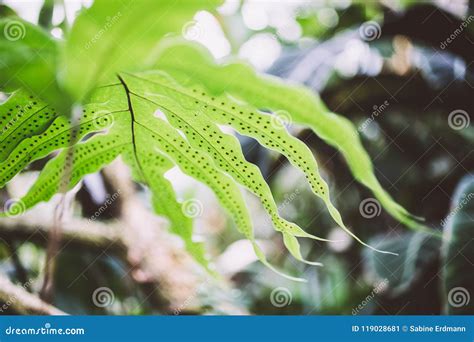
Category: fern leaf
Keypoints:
(191, 64)
(196, 97)
(222, 148)
(95, 116)
(101, 149)
(88, 157)
(137, 135)
(195, 164)
(261, 126)
(150, 171)
(21, 117)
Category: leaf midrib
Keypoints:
(132, 127)
(249, 123)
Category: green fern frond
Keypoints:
(249, 121)
(88, 157)
(159, 119)
(192, 162)
(15, 121)
(153, 165)
(150, 146)
(122, 121)
(224, 150)
(192, 64)
(24, 143)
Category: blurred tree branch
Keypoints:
(127, 242)
(167, 274)
(22, 301)
(80, 233)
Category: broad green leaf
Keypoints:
(113, 36)
(28, 58)
(191, 64)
